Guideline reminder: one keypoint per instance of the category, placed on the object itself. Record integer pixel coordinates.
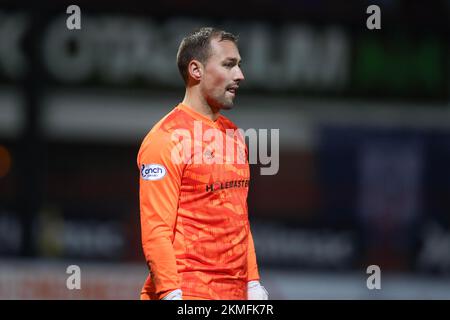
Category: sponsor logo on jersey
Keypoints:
(226, 185)
(153, 171)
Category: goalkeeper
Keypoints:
(195, 230)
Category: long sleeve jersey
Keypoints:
(194, 180)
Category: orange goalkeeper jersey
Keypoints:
(193, 202)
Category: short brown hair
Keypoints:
(197, 46)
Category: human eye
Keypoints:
(228, 64)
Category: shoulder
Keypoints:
(227, 123)
(159, 137)
(175, 119)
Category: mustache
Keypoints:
(234, 86)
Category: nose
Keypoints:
(239, 75)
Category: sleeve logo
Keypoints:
(153, 171)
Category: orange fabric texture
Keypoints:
(194, 218)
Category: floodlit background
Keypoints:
(364, 120)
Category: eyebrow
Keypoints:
(235, 60)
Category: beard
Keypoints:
(222, 102)
(228, 105)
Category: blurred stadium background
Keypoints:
(364, 119)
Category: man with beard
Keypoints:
(196, 235)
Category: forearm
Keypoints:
(252, 266)
(255, 291)
(161, 260)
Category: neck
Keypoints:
(195, 101)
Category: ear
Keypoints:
(195, 69)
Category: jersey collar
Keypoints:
(198, 116)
